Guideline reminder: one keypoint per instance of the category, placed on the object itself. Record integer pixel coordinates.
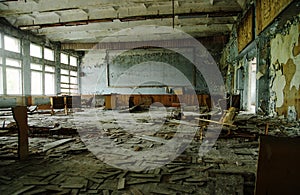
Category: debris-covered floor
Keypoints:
(61, 161)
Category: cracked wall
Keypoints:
(285, 73)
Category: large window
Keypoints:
(69, 74)
(40, 67)
(13, 76)
(12, 44)
(36, 79)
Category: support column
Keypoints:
(57, 50)
(20, 116)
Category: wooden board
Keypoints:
(267, 11)
(278, 170)
(245, 30)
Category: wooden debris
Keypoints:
(38, 183)
(72, 186)
(136, 191)
(37, 191)
(105, 192)
(216, 122)
(109, 185)
(180, 188)
(176, 169)
(152, 138)
(23, 190)
(121, 183)
(143, 175)
(56, 144)
(179, 177)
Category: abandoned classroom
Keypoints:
(149, 97)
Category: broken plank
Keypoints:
(176, 169)
(5, 178)
(56, 144)
(23, 190)
(182, 122)
(180, 188)
(54, 188)
(143, 175)
(105, 192)
(38, 183)
(136, 191)
(216, 122)
(72, 186)
(95, 180)
(152, 138)
(121, 183)
(37, 191)
(179, 177)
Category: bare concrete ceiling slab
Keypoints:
(90, 21)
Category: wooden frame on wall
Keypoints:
(267, 11)
(245, 30)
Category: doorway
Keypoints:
(252, 86)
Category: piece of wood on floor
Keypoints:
(121, 183)
(56, 144)
(23, 190)
(136, 191)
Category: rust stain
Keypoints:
(296, 49)
(291, 96)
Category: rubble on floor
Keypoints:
(61, 163)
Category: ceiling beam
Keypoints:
(131, 18)
(178, 43)
(28, 7)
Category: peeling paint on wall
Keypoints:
(278, 86)
(285, 70)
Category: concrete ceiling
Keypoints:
(91, 21)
